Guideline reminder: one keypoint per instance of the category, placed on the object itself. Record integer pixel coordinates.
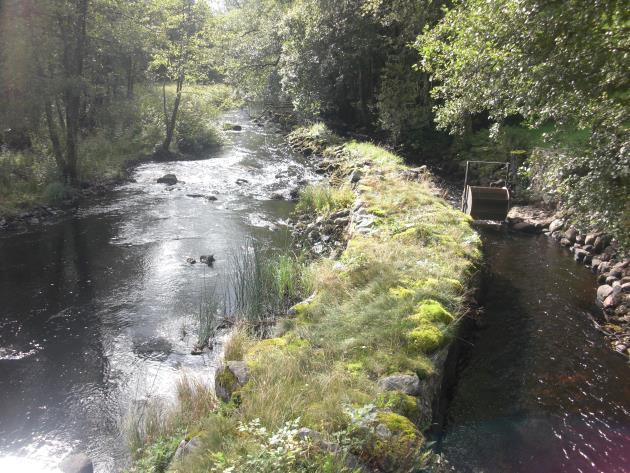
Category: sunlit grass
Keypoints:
(386, 306)
(324, 199)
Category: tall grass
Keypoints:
(155, 429)
(265, 284)
(324, 199)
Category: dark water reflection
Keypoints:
(97, 312)
(541, 391)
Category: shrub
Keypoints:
(57, 192)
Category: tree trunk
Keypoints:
(54, 138)
(130, 77)
(72, 93)
(172, 120)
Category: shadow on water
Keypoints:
(97, 312)
(539, 391)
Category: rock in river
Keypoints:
(556, 225)
(77, 463)
(168, 179)
(603, 292)
(207, 259)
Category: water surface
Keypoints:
(97, 312)
(541, 391)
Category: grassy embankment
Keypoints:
(388, 305)
(121, 133)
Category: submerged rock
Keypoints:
(168, 179)
(190, 260)
(153, 347)
(527, 227)
(77, 463)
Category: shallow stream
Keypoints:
(539, 390)
(97, 312)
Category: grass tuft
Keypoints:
(324, 199)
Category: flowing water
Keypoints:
(540, 391)
(97, 312)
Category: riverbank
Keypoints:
(127, 134)
(598, 252)
(351, 376)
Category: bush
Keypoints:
(56, 192)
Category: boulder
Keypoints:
(355, 176)
(77, 463)
(603, 292)
(611, 301)
(407, 383)
(241, 181)
(579, 255)
(590, 239)
(190, 260)
(571, 234)
(168, 179)
(625, 287)
(565, 242)
(229, 378)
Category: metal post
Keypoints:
(465, 193)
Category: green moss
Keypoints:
(426, 338)
(398, 402)
(399, 425)
(227, 380)
(431, 311)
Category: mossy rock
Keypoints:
(399, 444)
(426, 338)
(398, 402)
(229, 379)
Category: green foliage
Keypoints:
(348, 59)
(23, 175)
(549, 63)
(157, 456)
(57, 192)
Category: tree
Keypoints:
(555, 63)
(181, 45)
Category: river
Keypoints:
(539, 390)
(97, 312)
